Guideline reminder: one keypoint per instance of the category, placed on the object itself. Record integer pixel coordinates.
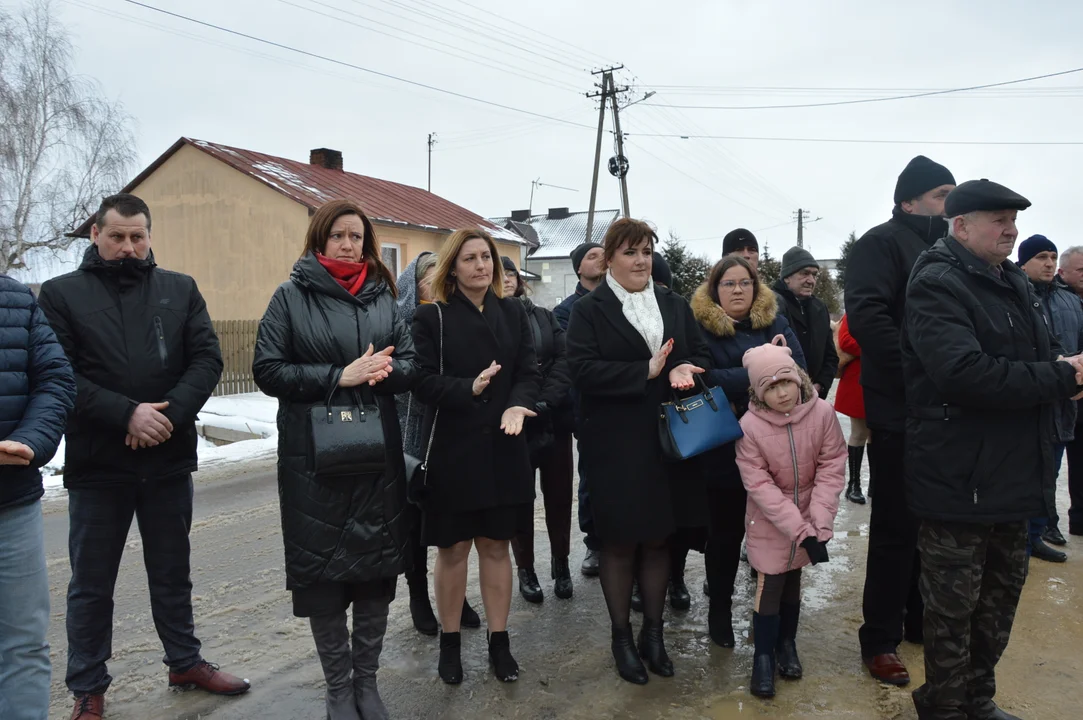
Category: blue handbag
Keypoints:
(696, 424)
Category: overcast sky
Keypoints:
(178, 79)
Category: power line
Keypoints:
(343, 63)
(929, 93)
(859, 141)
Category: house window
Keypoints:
(390, 254)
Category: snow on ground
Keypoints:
(251, 412)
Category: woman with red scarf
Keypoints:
(332, 331)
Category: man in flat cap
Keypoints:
(742, 242)
(808, 316)
(982, 375)
(876, 275)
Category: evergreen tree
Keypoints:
(689, 271)
(827, 290)
(844, 257)
(769, 269)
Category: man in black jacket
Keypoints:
(808, 316)
(38, 391)
(982, 375)
(146, 359)
(876, 276)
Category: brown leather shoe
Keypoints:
(88, 707)
(206, 676)
(888, 668)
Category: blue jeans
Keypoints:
(25, 672)
(1038, 525)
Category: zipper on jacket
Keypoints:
(1010, 323)
(796, 491)
(162, 352)
(975, 496)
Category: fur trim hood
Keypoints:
(714, 319)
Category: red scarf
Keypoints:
(350, 275)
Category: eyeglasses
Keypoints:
(731, 284)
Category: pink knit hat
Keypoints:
(769, 364)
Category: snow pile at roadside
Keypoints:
(252, 412)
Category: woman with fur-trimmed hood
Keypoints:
(736, 312)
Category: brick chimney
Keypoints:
(330, 159)
(559, 213)
(520, 215)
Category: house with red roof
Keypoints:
(235, 219)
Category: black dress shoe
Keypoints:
(422, 615)
(562, 577)
(529, 587)
(1042, 551)
(637, 599)
(652, 648)
(1053, 536)
(469, 618)
(679, 598)
(629, 666)
(590, 564)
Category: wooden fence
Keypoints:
(238, 341)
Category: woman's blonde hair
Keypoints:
(444, 283)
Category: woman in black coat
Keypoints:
(736, 312)
(549, 438)
(630, 344)
(332, 331)
(480, 379)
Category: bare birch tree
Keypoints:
(62, 145)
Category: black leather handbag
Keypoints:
(346, 439)
(417, 481)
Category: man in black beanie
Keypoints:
(876, 275)
(743, 243)
(808, 316)
(588, 262)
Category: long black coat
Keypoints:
(876, 276)
(635, 495)
(347, 529)
(554, 404)
(976, 349)
(134, 333)
(474, 465)
(812, 324)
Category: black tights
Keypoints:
(617, 568)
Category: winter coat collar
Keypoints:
(714, 319)
(808, 399)
(94, 262)
(927, 227)
(311, 275)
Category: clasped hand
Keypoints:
(1076, 361)
(371, 368)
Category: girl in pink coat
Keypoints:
(792, 460)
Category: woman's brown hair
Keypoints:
(319, 230)
(443, 283)
(728, 263)
(627, 230)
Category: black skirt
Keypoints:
(444, 529)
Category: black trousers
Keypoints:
(555, 469)
(892, 570)
(723, 555)
(100, 518)
(1074, 455)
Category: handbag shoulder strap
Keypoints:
(436, 416)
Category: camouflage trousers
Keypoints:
(971, 579)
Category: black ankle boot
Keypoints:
(637, 599)
(421, 609)
(562, 576)
(679, 598)
(720, 624)
(789, 665)
(504, 666)
(469, 617)
(652, 648)
(853, 488)
(451, 664)
(529, 587)
(629, 666)
(765, 630)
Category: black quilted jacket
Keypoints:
(345, 530)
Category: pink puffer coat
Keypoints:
(808, 443)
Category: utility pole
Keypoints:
(432, 141)
(620, 150)
(801, 216)
(606, 87)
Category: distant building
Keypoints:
(235, 219)
(550, 240)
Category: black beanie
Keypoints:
(509, 265)
(660, 272)
(739, 239)
(795, 260)
(580, 252)
(1034, 245)
(919, 177)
